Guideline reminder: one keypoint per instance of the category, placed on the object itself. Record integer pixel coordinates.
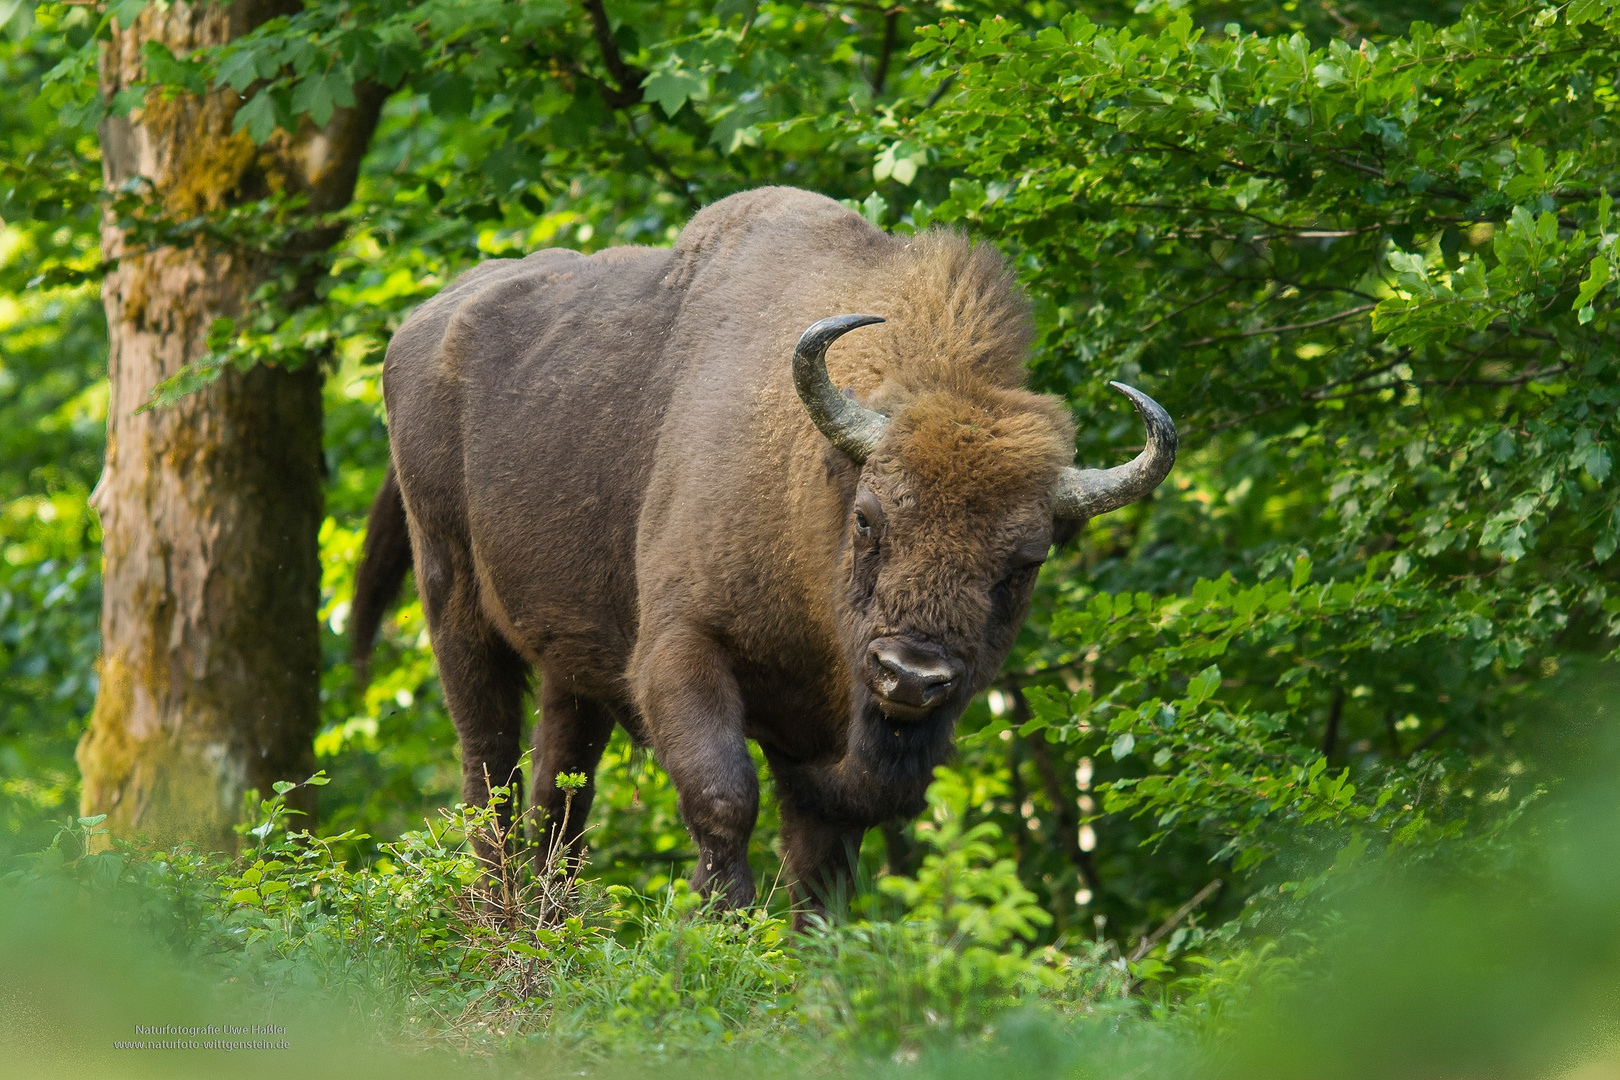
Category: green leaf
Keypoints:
(164, 68)
(1202, 685)
(1352, 851)
(318, 94)
(1580, 11)
(1597, 464)
(1608, 540)
(1048, 707)
(394, 60)
(127, 11)
(314, 97)
(16, 18)
(238, 70)
(875, 209)
(257, 117)
(899, 162)
(1124, 745)
(1302, 572)
(105, 868)
(1597, 276)
(451, 95)
(220, 333)
(673, 87)
(1329, 75)
(128, 100)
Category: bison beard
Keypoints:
(610, 472)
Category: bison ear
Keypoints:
(1085, 493)
(1064, 530)
(854, 429)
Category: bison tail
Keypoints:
(383, 563)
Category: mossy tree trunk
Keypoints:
(210, 508)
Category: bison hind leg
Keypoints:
(569, 739)
(484, 682)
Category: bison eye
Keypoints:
(868, 517)
(1021, 574)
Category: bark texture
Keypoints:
(210, 508)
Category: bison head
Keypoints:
(960, 494)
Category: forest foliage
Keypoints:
(1368, 264)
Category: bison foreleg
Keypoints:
(694, 711)
(819, 853)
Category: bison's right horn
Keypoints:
(852, 428)
(1085, 493)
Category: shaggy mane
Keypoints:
(953, 304)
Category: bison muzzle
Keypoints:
(605, 469)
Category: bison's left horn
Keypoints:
(1085, 493)
(852, 428)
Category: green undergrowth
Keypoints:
(1498, 961)
(425, 950)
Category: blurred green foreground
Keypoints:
(1499, 961)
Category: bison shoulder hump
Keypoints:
(780, 219)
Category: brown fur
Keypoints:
(608, 477)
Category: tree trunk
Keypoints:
(210, 508)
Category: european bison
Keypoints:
(610, 471)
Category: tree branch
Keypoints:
(1517, 380)
(1500, 327)
(1189, 305)
(939, 91)
(1067, 822)
(1191, 435)
(1330, 737)
(626, 88)
(1145, 946)
(1346, 314)
(1430, 739)
(891, 30)
(662, 165)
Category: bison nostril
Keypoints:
(905, 675)
(888, 675)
